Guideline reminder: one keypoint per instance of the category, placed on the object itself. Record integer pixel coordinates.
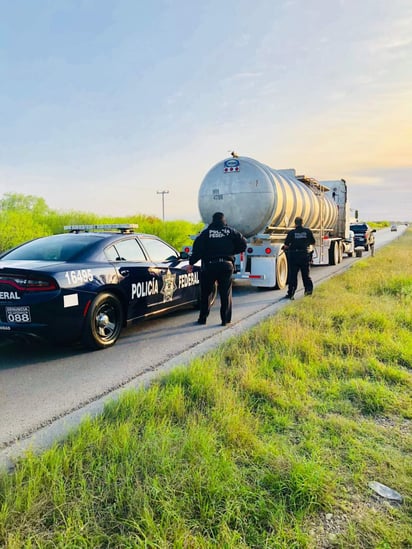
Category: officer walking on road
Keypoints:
(296, 246)
(216, 246)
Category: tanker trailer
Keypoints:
(262, 203)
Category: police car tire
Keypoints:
(104, 322)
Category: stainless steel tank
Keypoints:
(255, 197)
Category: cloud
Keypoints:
(367, 180)
(244, 76)
(395, 39)
(390, 43)
(173, 99)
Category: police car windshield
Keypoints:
(64, 247)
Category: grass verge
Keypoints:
(269, 441)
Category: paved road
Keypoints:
(45, 390)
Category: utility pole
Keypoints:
(163, 202)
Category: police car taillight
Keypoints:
(29, 284)
(40, 285)
(14, 281)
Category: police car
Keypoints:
(90, 282)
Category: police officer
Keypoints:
(296, 246)
(216, 246)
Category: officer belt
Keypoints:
(219, 260)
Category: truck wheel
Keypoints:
(281, 272)
(333, 253)
(104, 322)
(340, 252)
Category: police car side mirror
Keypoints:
(184, 255)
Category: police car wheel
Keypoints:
(104, 322)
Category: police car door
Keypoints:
(175, 287)
(139, 282)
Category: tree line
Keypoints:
(24, 217)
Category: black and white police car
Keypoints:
(90, 282)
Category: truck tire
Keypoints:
(104, 322)
(281, 272)
(334, 253)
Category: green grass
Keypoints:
(268, 442)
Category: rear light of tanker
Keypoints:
(268, 251)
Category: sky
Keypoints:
(106, 103)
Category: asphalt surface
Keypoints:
(46, 391)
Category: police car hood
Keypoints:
(31, 265)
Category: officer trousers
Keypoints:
(220, 272)
(299, 261)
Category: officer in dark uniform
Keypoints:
(216, 246)
(296, 246)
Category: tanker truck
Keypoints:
(262, 203)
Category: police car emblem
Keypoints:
(169, 286)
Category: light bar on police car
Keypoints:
(105, 227)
